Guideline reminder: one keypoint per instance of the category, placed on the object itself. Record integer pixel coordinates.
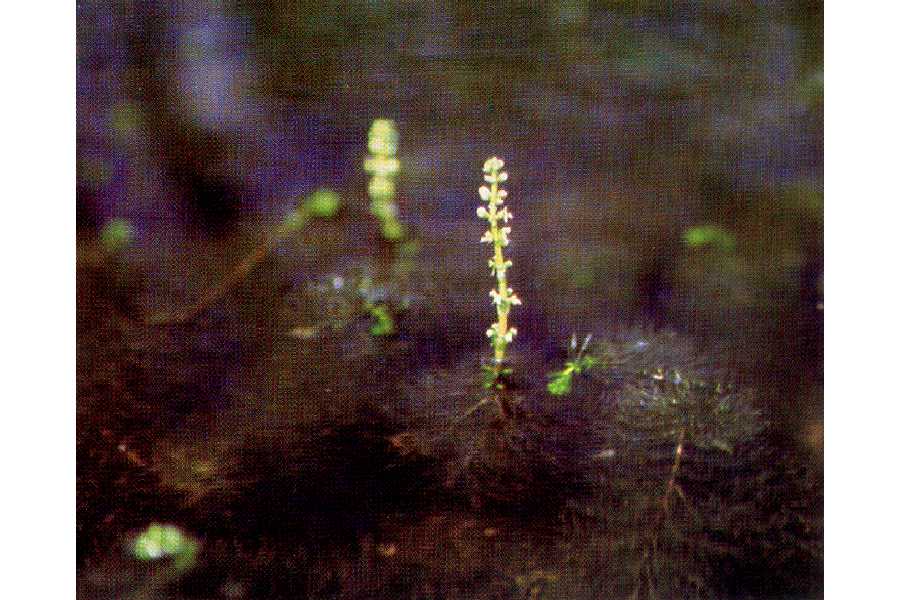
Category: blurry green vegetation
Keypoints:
(321, 204)
(710, 235)
(382, 165)
(159, 541)
(340, 302)
(116, 235)
(384, 323)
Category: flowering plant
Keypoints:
(382, 165)
(497, 216)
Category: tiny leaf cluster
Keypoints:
(560, 383)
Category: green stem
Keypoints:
(499, 261)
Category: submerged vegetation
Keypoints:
(321, 460)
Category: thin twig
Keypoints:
(235, 277)
(671, 486)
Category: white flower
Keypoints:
(496, 298)
(501, 268)
(492, 164)
(487, 237)
(481, 212)
(484, 192)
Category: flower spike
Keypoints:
(500, 333)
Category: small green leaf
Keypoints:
(323, 204)
(560, 382)
(159, 541)
(384, 323)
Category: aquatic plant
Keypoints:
(382, 166)
(497, 216)
(321, 204)
(374, 303)
(560, 382)
(160, 541)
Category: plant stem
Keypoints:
(502, 309)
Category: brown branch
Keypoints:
(235, 277)
(671, 486)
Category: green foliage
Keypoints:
(560, 383)
(159, 541)
(492, 377)
(711, 236)
(384, 323)
(323, 204)
(116, 235)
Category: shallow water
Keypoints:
(275, 427)
(311, 459)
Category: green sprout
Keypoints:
(500, 333)
(374, 303)
(158, 542)
(382, 166)
(560, 383)
(384, 323)
(321, 204)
